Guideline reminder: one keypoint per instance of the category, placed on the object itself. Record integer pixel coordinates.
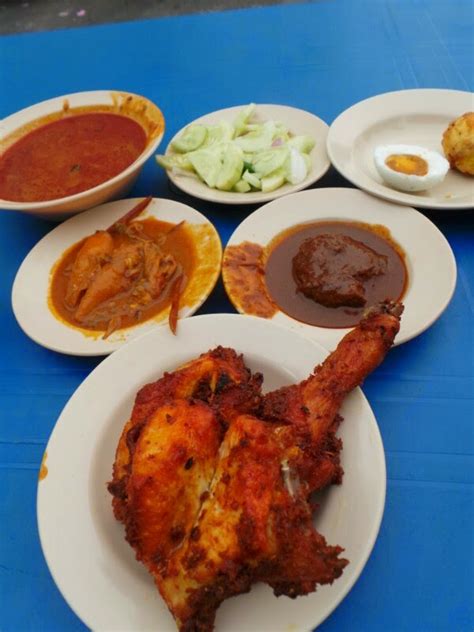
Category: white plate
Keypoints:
(297, 121)
(409, 117)
(429, 259)
(31, 287)
(84, 545)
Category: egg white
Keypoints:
(437, 168)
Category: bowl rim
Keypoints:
(51, 104)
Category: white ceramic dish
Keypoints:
(111, 189)
(410, 117)
(31, 286)
(93, 565)
(297, 121)
(429, 258)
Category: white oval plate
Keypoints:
(410, 117)
(84, 546)
(429, 259)
(297, 121)
(31, 286)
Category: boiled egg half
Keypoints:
(409, 167)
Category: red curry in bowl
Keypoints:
(74, 150)
(68, 156)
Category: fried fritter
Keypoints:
(458, 143)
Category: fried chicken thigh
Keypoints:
(212, 479)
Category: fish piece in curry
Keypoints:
(124, 275)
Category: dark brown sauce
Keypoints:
(178, 242)
(282, 287)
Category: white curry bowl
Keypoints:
(139, 108)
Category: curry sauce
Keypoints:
(134, 302)
(69, 155)
(285, 291)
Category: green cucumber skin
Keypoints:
(232, 168)
(191, 139)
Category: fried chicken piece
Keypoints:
(218, 378)
(251, 528)
(174, 459)
(215, 377)
(313, 405)
(254, 521)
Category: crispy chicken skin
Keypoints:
(218, 377)
(182, 439)
(212, 479)
(250, 528)
(312, 406)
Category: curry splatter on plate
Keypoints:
(174, 234)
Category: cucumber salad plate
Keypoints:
(248, 154)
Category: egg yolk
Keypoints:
(407, 163)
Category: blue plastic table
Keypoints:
(322, 57)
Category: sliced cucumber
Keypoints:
(274, 180)
(304, 144)
(220, 133)
(191, 139)
(243, 156)
(242, 118)
(232, 167)
(242, 186)
(207, 164)
(258, 140)
(250, 127)
(266, 162)
(175, 161)
(252, 179)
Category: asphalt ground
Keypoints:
(46, 15)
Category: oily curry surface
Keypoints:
(139, 268)
(324, 274)
(69, 155)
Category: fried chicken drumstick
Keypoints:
(212, 479)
